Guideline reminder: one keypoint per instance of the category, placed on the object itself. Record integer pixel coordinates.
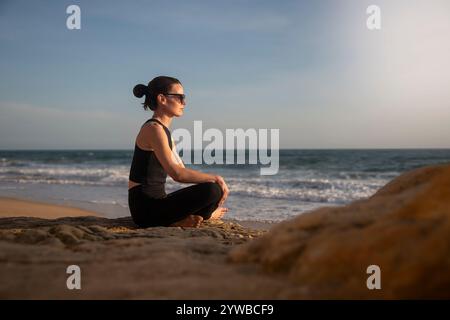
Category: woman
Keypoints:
(155, 157)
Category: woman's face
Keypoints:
(172, 103)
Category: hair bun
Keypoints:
(139, 90)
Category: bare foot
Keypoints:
(190, 221)
(218, 213)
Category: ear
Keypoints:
(161, 99)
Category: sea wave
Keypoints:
(321, 176)
(295, 185)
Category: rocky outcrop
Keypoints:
(404, 229)
(120, 261)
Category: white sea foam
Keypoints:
(308, 186)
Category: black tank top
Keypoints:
(147, 170)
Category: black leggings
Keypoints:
(200, 199)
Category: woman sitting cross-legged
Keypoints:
(155, 157)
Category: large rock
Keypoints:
(404, 229)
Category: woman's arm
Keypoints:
(175, 154)
(157, 138)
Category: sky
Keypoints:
(311, 69)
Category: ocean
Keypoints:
(307, 179)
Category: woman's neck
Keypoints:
(164, 119)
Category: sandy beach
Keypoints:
(22, 208)
(404, 229)
(64, 236)
(11, 207)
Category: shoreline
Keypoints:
(18, 207)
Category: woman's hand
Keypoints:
(218, 213)
(219, 180)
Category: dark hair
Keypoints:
(158, 85)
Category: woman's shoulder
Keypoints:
(152, 131)
(152, 128)
(149, 131)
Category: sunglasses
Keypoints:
(181, 97)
